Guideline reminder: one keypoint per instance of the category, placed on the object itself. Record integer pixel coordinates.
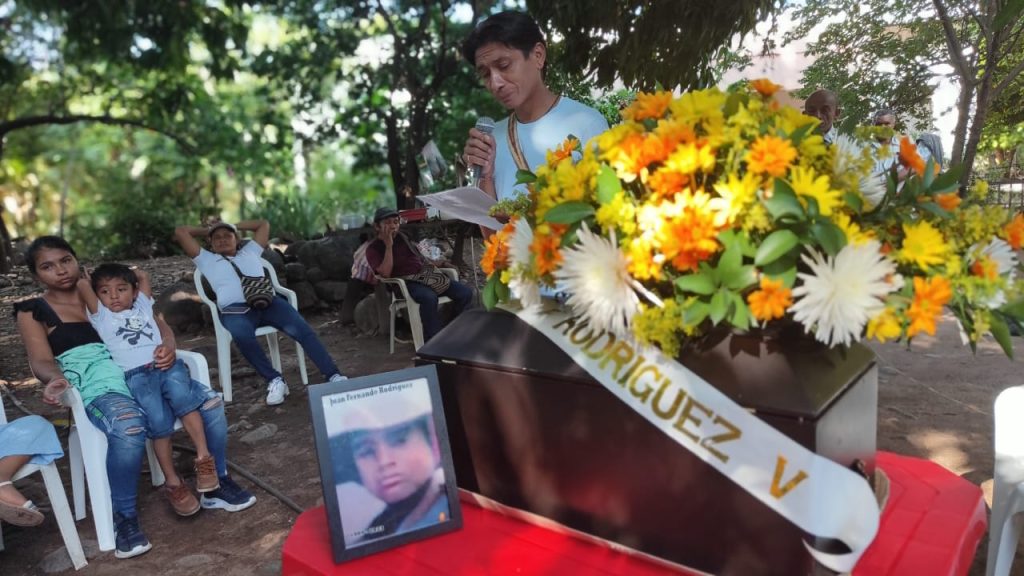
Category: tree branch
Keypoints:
(956, 51)
(31, 121)
(1007, 80)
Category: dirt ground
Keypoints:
(935, 402)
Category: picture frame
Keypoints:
(385, 462)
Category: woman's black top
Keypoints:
(65, 335)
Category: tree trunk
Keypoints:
(963, 106)
(394, 156)
(6, 250)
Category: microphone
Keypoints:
(486, 125)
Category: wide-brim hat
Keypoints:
(220, 225)
(378, 407)
(384, 214)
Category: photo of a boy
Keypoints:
(394, 482)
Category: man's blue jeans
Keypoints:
(166, 395)
(123, 422)
(282, 316)
(425, 296)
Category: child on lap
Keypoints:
(120, 306)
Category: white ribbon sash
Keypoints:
(818, 495)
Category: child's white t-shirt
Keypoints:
(131, 335)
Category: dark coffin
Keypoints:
(530, 429)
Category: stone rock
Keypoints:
(307, 254)
(334, 256)
(315, 274)
(271, 568)
(292, 252)
(330, 290)
(305, 294)
(183, 311)
(59, 561)
(261, 433)
(295, 272)
(275, 258)
(366, 316)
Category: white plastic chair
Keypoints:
(224, 337)
(87, 448)
(59, 501)
(403, 301)
(1008, 482)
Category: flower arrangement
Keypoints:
(723, 208)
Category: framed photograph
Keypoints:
(385, 462)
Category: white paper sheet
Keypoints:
(468, 203)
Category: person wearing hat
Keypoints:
(392, 255)
(223, 265)
(394, 481)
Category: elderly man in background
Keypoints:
(824, 105)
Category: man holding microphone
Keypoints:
(509, 54)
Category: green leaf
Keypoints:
(774, 246)
(1011, 11)
(571, 236)
(946, 182)
(525, 177)
(695, 313)
(1014, 309)
(929, 173)
(719, 306)
(569, 213)
(935, 209)
(608, 184)
(732, 103)
(800, 133)
(1001, 332)
(740, 278)
(784, 202)
(829, 236)
(740, 313)
(854, 201)
(490, 296)
(696, 284)
(501, 291)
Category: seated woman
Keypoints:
(61, 344)
(223, 266)
(29, 440)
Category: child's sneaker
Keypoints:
(206, 475)
(182, 500)
(229, 496)
(337, 378)
(276, 391)
(130, 539)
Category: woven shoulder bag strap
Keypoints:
(513, 143)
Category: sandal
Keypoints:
(25, 515)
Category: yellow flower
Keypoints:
(700, 106)
(659, 326)
(930, 295)
(853, 232)
(738, 193)
(770, 155)
(765, 87)
(610, 138)
(691, 158)
(980, 190)
(923, 245)
(885, 326)
(619, 213)
(570, 145)
(644, 263)
(771, 301)
(647, 106)
(807, 184)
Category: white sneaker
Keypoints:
(337, 378)
(276, 391)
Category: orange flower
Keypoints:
(667, 183)
(564, 151)
(930, 295)
(948, 202)
(909, 156)
(765, 87)
(647, 106)
(770, 155)
(986, 268)
(771, 301)
(688, 235)
(546, 250)
(496, 250)
(1014, 232)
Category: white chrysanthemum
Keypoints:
(872, 188)
(848, 155)
(844, 292)
(1006, 263)
(594, 273)
(523, 286)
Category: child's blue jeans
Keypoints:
(166, 395)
